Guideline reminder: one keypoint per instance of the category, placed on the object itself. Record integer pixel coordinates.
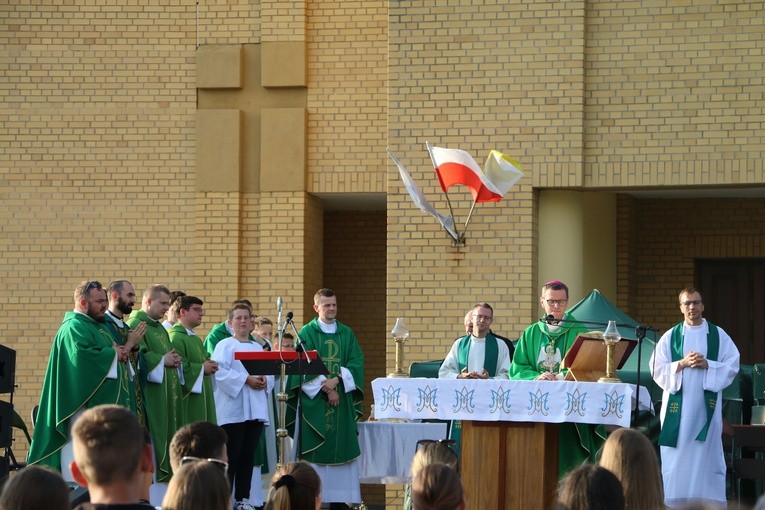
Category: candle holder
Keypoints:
(611, 337)
(400, 334)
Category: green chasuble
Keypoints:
(121, 332)
(163, 401)
(541, 350)
(198, 406)
(329, 434)
(80, 359)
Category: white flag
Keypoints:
(419, 199)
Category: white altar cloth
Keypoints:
(387, 448)
(503, 400)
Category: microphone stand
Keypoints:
(640, 332)
(299, 344)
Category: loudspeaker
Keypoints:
(7, 369)
(6, 424)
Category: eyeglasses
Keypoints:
(556, 302)
(696, 302)
(223, 465)
(92, 285)
(486, 318)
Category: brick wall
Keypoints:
(666, 235)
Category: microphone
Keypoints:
(299, 344)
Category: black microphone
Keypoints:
(299, 344)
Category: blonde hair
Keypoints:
(295, 486)
(629, 455)
(199, 484)
(434, 453)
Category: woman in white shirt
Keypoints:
(240, 403)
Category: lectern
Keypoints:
(282, 363)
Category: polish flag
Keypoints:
(455, 166)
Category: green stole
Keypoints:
(671, 427)
(489, 358)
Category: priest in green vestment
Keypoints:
(331, 404)
(198, 368)
(538, 355)
(86, 368)
(159, 366)
(121, 295)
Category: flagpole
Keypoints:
(460, 237)
(469, 215)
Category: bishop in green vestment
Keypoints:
(85, 369)
(158, 367)
(198, 368)
(538, 355)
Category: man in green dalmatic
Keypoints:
(159, 367)
(331, 404)
(86, 368)
(198, 368)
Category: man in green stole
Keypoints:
(693, 363)
(331, 405)
(121, 296)
(159, 364)
(538, 355)
(86, 368)
(477, 355)
(198, 368)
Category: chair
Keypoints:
(18, 423)
(758, 415)
(427, 369)
(748, 449)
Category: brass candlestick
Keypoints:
(400, 334)
(611, 337)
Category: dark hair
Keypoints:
(295, 486)
(591, 487)
(116, 286)
(185, 302)
(437, 487)
(198, 439)
(555, 285)
(322, 293)
(35, 488)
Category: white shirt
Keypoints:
(235, 402)
(450, 367)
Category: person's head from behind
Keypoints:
(35, 488)
(199, 484)
(198, 440)
(295, 486)
(591, 487)
(434, 452)
(109, 449)
(437, 487)
(630, 455)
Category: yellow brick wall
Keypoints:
(347, 59)
(674, 93)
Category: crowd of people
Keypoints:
(166, 377)
(109, 362)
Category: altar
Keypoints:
(510, 432)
